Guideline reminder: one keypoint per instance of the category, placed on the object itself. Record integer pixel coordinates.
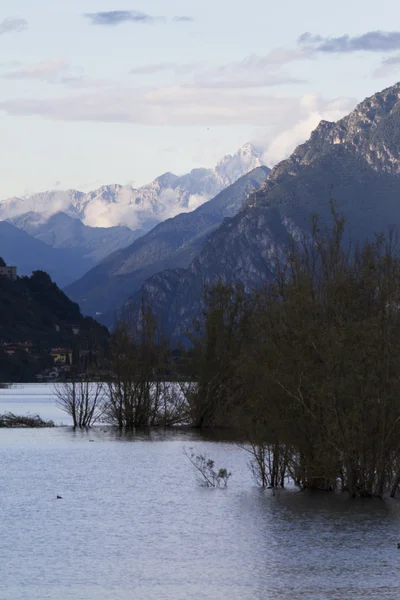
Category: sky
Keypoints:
(95, 92)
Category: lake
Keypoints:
(134, 524)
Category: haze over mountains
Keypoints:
(62, 231)
(19, 248)
(356, 160)
(165, 197)
(91, 226)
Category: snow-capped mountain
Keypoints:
(142, 208)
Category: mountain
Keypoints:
(63, 231)
(19, 248)
(143, 208)
(356, 160)
(170, 245)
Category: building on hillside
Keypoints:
(62, 356)
(14, 347)
(9, 272)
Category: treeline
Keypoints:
(305, 369)
(308, 367)
(140, 385)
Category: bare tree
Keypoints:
(139, 390)
(83, 400)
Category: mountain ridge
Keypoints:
(356, 161)
(171, 244)
(142, 208)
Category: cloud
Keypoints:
(312, 110)
(9, 25)
(250, 80)
(56, 71)
(388, 67)
(175, 106)
(100, 213)
(253, 71)
(183, 19)
(44, 71)
(116, 17)
(163, 67)
(372, 41)
(81, 82)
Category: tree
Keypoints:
(308, 367)
(139, 394)
(82, 399)
(218, 341)
(328, 331)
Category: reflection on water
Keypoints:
(133, 524)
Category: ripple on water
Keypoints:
(132, 523)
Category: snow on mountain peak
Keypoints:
(141, 208)
(233, 166)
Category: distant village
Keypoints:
(62, 359)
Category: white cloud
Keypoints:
(99, 213)
(254, 71)
(56, 71)
(388, 67)
(167, 66)
(45, 71)
(287, 121)
(313, 109)
(195, 200)
(174, 105)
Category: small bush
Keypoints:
(208, 476)
(10, 420)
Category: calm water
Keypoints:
(133, 524)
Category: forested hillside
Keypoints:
(34, 310)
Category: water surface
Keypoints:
(133, 524)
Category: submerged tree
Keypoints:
(82, 399)
(208, 474)
(315, 364)
(218, 342)
(139, 394)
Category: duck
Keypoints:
(398, 545)
(59, 497)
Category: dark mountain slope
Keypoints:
(19, 248)
(170, 245)
(356, 161)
